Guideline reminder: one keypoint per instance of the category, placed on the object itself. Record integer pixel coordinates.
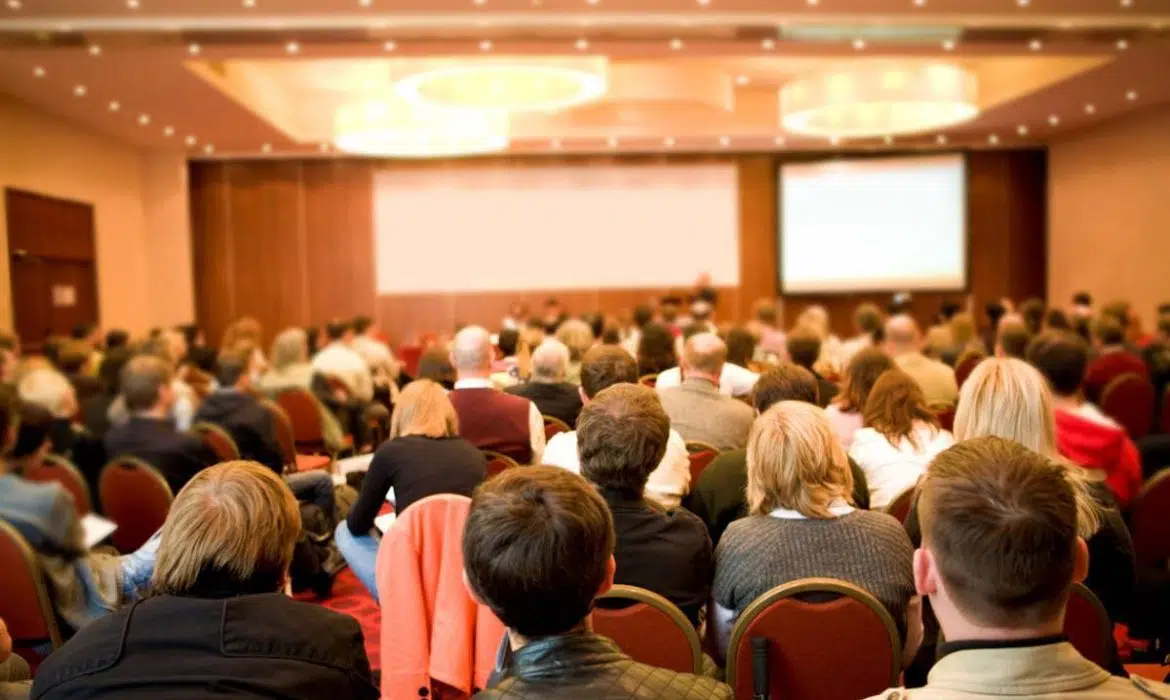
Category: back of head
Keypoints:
(1013, 337)
(471, 351)
(765, 312)
(995, 311)
(536, 549)
(508, 341)
(111, 368)
(231, 530)
(550, 361)
(73, 356)
(861, 374)
(190, 333)
(867, 318)
(902, 333)
(1033, 311)
(795, 462)
(1007, 398)
(143, 378)
(435, 364)
(49, 390)
(786, 382)
(643, 314)
(804, 346)
(1000, 522)
(741, 347)
(656, 349)
(361, 324)
(1108, 330)
(962, 329)
(1121, 311)
(895, 406)
(1061, 358)
(621, 437)
(82, 331)
(705, 354)
(577, 337)
(1056, 320)
(1082, 299)
(814, 317)
(9, 418)
(423, 408)
(602, 367)
(33, 433)
(336, 329)
(232, 366)
(947, 310)
(290, 347)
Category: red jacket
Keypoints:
(1103, 447)
(1108, 367)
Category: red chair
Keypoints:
(497, 463)
(57, 468)
(304, 412)
(218, 439)
(842, 649)
(650, 380)
(136, 497)
(554, 425)
(701, 454)
(1129, 399)
(651, 631)
(900, 506)
(967, 364)
(1165, 422)
(1150, 522)
(25, 604)
(945, 415)
(1087, 626)
(285, 436)
(410, 355)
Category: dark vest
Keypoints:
(493, 420)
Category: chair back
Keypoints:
(25, 604)
(900, 506)
(136, 497)
(284, 433)
(304, 413)
(946, 416)
(650, 380)
(1164, 423)
(1129, 399)
(497, 463)
(1087, 626)
(410, 355)
(57, 468)
(701, 454)
(1150, 522)
(843, 646)
(651, 631)
(554, 425)
(967, 364)
(218, 439)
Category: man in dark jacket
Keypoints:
(548, 389)
(538, 549)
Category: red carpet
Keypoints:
(351, 598)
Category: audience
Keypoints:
(217, 623)
(862, 372)
(423, 457)
(904, 344)
(656, 352)
(171, 347)
(1000, 551)
(383, 368)
(801, 525)
(994, 311)
(964, 339)
(290, 369)
(435, 364)
(697, 409)
(868, 323)
(198, 354)
(54, 394)
(117, 339)
(488, 418)
(96, 412)
(1032, 312)
(1113, 358)
(538, 549)
(900, 437)
(641, 317)
(233, 408)
(765, 327)
(76, 361)
(577, 336)
(804, 347)
(1013, 337)
(548, 388)
(340, 361)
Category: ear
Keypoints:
(925, 572)
(607, 583)
(581, 393)
(1080, 561)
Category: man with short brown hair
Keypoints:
(1114, 357)
(999, 555)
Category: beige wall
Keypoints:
(140, 214)
(1109, 212)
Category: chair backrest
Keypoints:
(218, 439)
(57, 468)
(136, 497)
(967, 364)
(650, 380)
(1164, 423)
(843, 648)
(284, 432)
(1087, 626)
(900, 506)
(304, 413)
(497, 463)
(554, 425)
(410, 355)
(946, 416)
(701, 454)
(1129, 399)
(25, 604)
(652, 630)
(1150, 522)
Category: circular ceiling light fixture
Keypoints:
(394, 128)
(872, 100)
(511, 85)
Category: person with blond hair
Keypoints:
(578, 338)
(423, 457)
(218, 623)
(802, 524)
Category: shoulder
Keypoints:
(881, 524)
(651, 682)
(865, 439)
(686, 521)
(745, 532)
(562, 441)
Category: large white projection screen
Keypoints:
(874, 224)
(499, 228)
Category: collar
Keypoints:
(945, 648)
(475, 383)
(837, 508)
(619, 497)
(1028, 667)
(701, 382)
(550, 656)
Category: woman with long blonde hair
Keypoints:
(423, 457)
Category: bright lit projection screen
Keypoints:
(500, 228)
(874, 224)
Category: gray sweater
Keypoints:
(866, 548)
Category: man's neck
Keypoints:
(518, 640)
(691, 374)
(963, 631)
(156, 413)
(473, 374)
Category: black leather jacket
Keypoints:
(591, 667)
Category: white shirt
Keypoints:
(844, 424)
(668, 483)
(339, 360)
(733, 380)
(1090, 412)
(535, 420)
(375, 353)
(891, 469)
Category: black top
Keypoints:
(177, 456)
(416, 467)
(250, 646)
(248, 422)
(826, 390)
(668, 553)
(945, 648)
(76, 444)
(561, 400)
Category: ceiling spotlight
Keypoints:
(676, 44)
(324, 147)
(249, 3)
(79, 90)
(889, 140)
(95, 50)
(742, 80)
(132, 4)
(1127, 3)
(582, 44)
(555, 143)
(14, 4)
(668, 142)
(940, 139)
(168, 131)
(143, 119)
(768, 44)
(611, 142)
(38, 71)
(1122, 44)
(115, 106)
(365, 3)
(948, 44)
(190, 140)
(1023, 3)
(993, 140)
(480, 2)
(209, 149)
(1022, 130)
(1053, 120)
(703, 3)
(1090, 108)
(919, 3)
(266, 148)
(389, 45)
(592, 2)
(812, 3)
(292, 47)
(1131, 95)
(725, 141)
(485, 45)
(779, 140)
(1035, 44)
(859, 44)
(193, 49)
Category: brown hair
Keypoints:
(1001, 523)
(860, 375)
(794, 461)
(143, 378)
(804, 346)
(1014, 338)
(787, 382)
(423, 408)
(621, 437)
(894, 405)
(602, 367)
(1108, 329)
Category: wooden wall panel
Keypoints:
(757, 232)
(211, 250)
(339, 237)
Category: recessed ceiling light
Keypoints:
(889, 140)
(779, 140)
(555, 143)
(919, 3)
(365, 3)
(940, 139)
(193, 49)
(324, 147)
(859, 44)
(1090, 108)
(1127, 3)
(668, 142)
(1022, 130)
(703, 3)
(115, 105)
(812, 3)
(1122, 44)
(249, 3)
(190, 140)
(1131, 95)
(592, 2)
(582, 44)
(479, 2)
(485, 45)
(948, 44)
(143, 119)
(38, 71)
(725, 141)
(1053, 120)
(611, 142)
(389, 45)
(1035, 44)
(742, 80)
(292, 47)
(676, 44)
(95, 50)
(209, 149)
(993, 140)
(1023, 3)
(14, 4)
(768, 44)
(132, 4)
(79, 90)
(266, 148)
(168, 131)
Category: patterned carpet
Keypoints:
(350, 597)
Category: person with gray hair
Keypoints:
(489, 418)
(548, 388)
(697, 409)
(904, 345)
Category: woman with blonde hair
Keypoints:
(424, 456)
(578, 337)
(861, 373)
(802, 524)
(899, 438)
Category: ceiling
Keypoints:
(263, 78)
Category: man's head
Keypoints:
(32, 436)
(1061, 358)
(471, 352)
(999, 539)
(902, 335)
(146, 384)
(508, 341)
(867, 318)
(234, 369)
(1121, 311)
(88, 333)
(1012, 338)
(804, 347)
(117, 338)
(338, 330)
(1107, 330)
(602, 367)
(643, 314)
(550, 362)
(1083, 299)
(363, 325)
(787, 382)
(73, 356)
(703, 357)
(538, 549)
(1033, 311)
(50, 390)
(621, 438)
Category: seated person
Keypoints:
(338, 359)
(290, 369)
(718, 499)
(538, 549)
(423, 457)
(655, 352)
(734, 379)
(802, 526)
(149, 434)
(804, 347)
(171, 346)
(1084, 434)
(622, 436)
(999, 554)
(862, 372)
(74, 360)
(218, 624)
(904, 345)
(697, 409)
(1012, 337)
(577, 336)
(435, 364)
(489, 418)
(96, 412)
(601, 368)
(52, 392)
(1113, 358)
(547, 387)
